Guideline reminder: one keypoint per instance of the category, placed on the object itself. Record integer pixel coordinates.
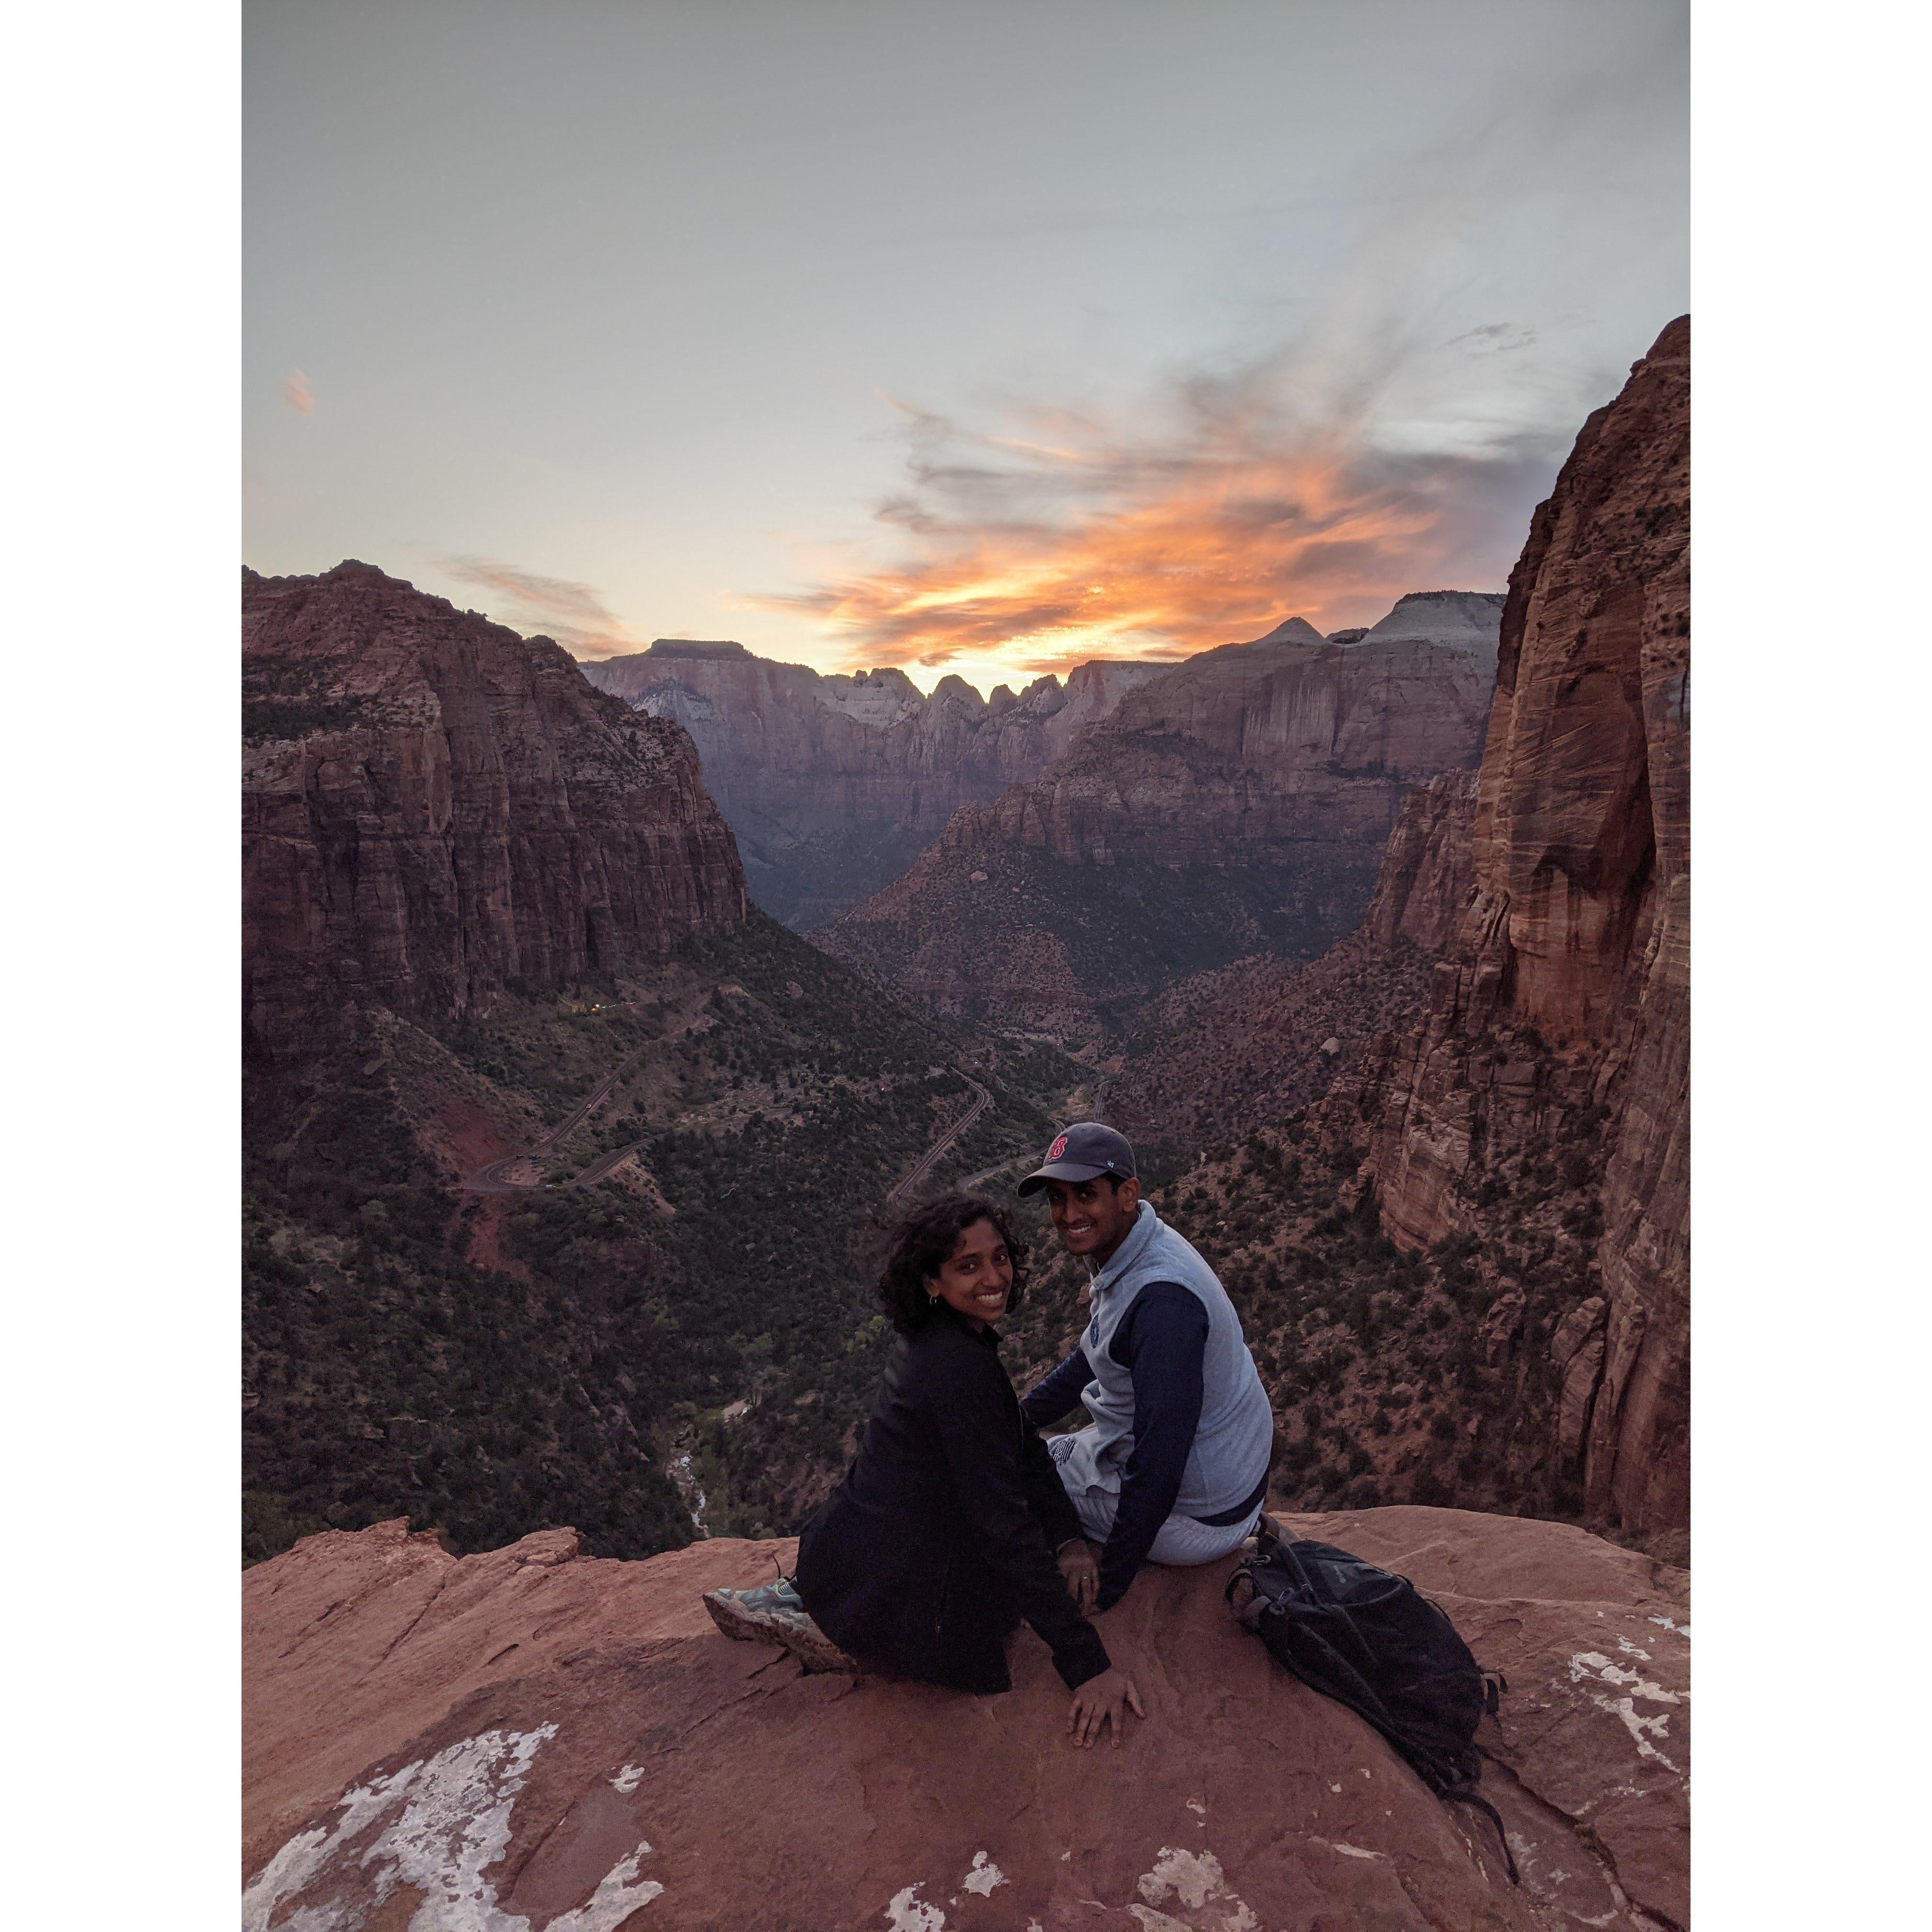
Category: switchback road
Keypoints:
(982, 1101)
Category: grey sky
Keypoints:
(626, 320)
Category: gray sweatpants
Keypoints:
(1180, 1540)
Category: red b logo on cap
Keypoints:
(1058, 1148)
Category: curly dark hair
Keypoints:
(918, 1246)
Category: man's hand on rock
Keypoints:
(1080, 1564)
(1099, 1701)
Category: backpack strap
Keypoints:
(1465, 1795)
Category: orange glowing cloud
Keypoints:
(298, 393)
(1031, 553)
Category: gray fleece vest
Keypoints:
(1230, 1456)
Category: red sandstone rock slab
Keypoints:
(531, 1739)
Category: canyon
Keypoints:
(486, 910)
(833, 785)
(1237, 804)
(1384, 967)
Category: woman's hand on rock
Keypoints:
(1079, 1564)
(1099, 1701)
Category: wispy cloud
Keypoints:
(571, 613)
(298, 394)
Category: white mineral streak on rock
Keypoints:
(455, 1823)
(1644, 1731)
(1355, 1851)
(908, 1913)
(449, 1823)
(984, 1876)
(627, 1780)
(1589, 1662)
(1192, 1880)
(619, 1894)
(291, 1869)
(1199, 1810)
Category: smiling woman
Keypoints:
(951, 1525)
(959, 1252)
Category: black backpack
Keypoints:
(1370, 1640)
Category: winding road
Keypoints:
(982, 1100)
(494, 1177)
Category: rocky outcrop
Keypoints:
(1564, 995)
(434, 809)
(834, 784)
(1238, 804)
(531, 1739)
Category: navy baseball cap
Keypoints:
(1083, 1152)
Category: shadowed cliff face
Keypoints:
(434, 809)
(1566, 989)
(1239, 804)
(835, 784)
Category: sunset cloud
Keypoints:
(297, 393)
(554, 607)
(1062, 536)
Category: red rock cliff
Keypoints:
(1566, 988)
(434, 809)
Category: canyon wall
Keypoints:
(434, 809)
(1239, 803)
(833, 785)
(1560, 1005)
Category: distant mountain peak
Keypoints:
(1292, 630)
(1462, 620)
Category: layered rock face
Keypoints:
(1239, 803)
(533, 1738)
(434, 809)
(1565, 990)
(833, 785)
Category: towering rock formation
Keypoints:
(1239, 803)
(1565, 991)
(834, 784)
(434, 809)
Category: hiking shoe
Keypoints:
(774, 1613)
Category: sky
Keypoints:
(968, 336)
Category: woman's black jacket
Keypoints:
(941, 1536)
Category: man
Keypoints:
(1174, 1467)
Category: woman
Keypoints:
(943, 1534)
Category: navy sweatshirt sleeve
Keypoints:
(1058, 1390)
(1162, 1344)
